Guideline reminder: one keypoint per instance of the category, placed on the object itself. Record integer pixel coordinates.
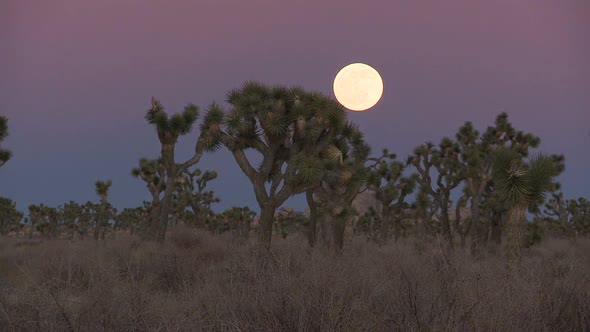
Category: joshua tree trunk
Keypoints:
(168, 157)
(313, 215)
(461, 229)
(496, 229)
(325, 229)
(477, 231)
(339, 226)
(266, 221)
(153, 224)
(97, 224)
(515, 231)
(445, 222)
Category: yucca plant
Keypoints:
(476, 157)
(10, 217)
(520, 182)
(5, 155)
(191, 192)
(580, 216)
(169, 129)
(343, 176)
(71, 213)
(129, 219)
(391, 187)
(424, 158)
(153, 173)
(289, 128)
(450, 174)
(102, 190)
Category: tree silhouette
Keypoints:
(102, 190)
(10, 217)
(391, 188)
(519, 183)
(344, 176)
(289, 128)
(169, 129)
(476, 155)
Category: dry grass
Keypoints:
(200, 282)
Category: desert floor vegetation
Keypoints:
(200, 281)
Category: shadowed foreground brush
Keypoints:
(204, 282)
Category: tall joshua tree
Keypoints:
(71, 213)
(288, 128)
(344, 176)
(102, 190)
(153, 173)
(391, 188)
(10, 217)
(476, 156)
(424, 159)
(191, 190)
(35, 216)
(450, 175)
(5, 155)
(169, 129)
(520, 183)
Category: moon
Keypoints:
(358, 87)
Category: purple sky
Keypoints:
(76, 77)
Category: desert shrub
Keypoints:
(215, 284)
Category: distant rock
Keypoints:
(364, 201)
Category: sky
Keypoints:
(76, 77)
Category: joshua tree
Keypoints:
(88, 216)
(129, 219)
(153, 173)
(476, 158)
(10, 217)
(169, 129)
(191, 191)
(288, 222)
(557, 214)
(580, 216)
(520, 183)
(424, 159)
(450, 175)
(344, 175)
(289, 128)
(391, 189)
(5, 155)
(371, 225)
(238, 220)
(34, 217)
(45, 219)
(462, 225)
(102, 190)
(567, 217)
(71, 213)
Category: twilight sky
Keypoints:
(76, 77)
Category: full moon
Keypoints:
(358, 87)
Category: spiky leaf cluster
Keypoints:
(386, 178)
(102, 188)
(170, 127)
(519, 182)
